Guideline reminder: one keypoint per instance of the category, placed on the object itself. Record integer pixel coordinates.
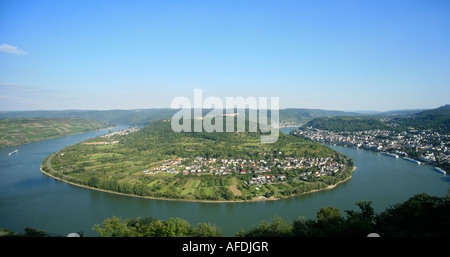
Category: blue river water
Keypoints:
(29, 198)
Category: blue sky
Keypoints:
(340, 55)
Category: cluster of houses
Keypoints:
(120, 132)
(263, 179)
(102, 143)
(321, 167)
(286, 124)
(431, 144)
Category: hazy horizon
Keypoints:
(130, 109)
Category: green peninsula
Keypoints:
(156, 162)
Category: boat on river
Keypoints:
(440, 170)
(390, 154)
(412, 160)
(13, 152)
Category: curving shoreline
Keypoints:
(189, 200)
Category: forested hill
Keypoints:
(436, 119)
(160, 138)
(305, 115)
(351, 124)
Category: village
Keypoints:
(111, 134)
(120, 132)
(425, 146)
(263, 171)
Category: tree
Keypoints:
(113, 227)
(302, 227)
(328, 214)
(177, 228)
(360, 223)
(31, 232)
(421, 215)
(329, 222)
(206, 230)
(277, 228)
(94, 181)
(152, 227)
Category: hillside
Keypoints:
(436, 119)
(351, 124)
(302, 116)
(159, 163)
(21, 131)
(111, 117)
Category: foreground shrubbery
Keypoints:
(421, 215)
(151, 227)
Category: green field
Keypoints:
(22, 131)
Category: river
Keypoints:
(28, 198)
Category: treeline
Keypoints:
(420, 216)
(152, 227)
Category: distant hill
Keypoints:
(111, 117)
(436, 119)
(314, 113)
(305, 115)
(145, 116)
(21, 131)
(351, 124)
(399, 113)
(422, 119)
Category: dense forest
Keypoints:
(420, 216)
